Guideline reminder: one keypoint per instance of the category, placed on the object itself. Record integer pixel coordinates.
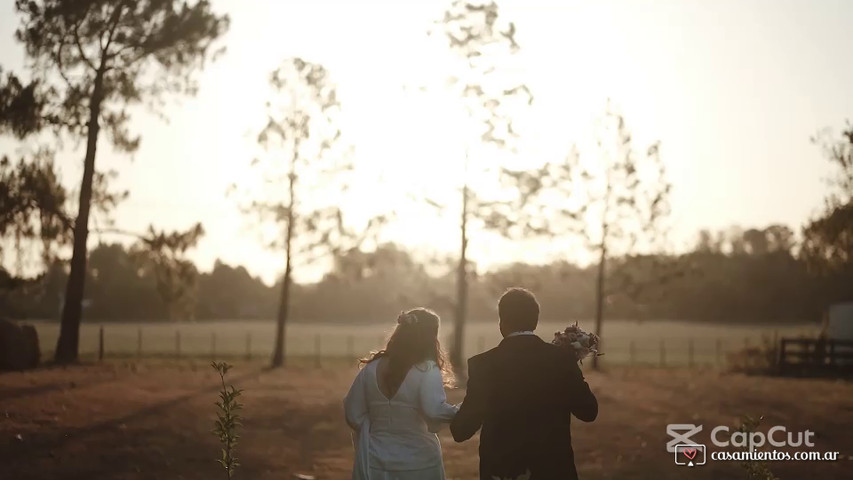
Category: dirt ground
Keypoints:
(146, 420)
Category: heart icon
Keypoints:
(690, 453)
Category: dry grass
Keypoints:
(153, 420)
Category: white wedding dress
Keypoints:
(395, 438)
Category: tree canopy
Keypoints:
(91, 61)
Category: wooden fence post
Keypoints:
(317, 352)
(631, 353)
(776, 348)
(101, 344)
(719, 352)
(831, 355)
(690, 352)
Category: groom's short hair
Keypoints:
(518, 310)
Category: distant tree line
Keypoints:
(739, 276)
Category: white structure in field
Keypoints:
(840, 321)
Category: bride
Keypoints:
(397, 404)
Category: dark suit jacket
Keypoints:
(523, 393)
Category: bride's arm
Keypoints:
(433, 399)
(355, 403)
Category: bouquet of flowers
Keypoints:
(581, 343)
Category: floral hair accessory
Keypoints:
(406, 319)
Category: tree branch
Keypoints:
(118, 231)
(60, 67)
(114, 19)
(80, 48)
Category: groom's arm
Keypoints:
(582, 401)
(469, 419)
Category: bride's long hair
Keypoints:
(414, 340)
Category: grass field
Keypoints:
(129, 420)
(709, 343)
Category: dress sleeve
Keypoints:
(433, 399)
(355, 402)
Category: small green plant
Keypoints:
(228, 420)
(755, 470)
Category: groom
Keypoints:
(523, 393)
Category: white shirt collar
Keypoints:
(518, 334)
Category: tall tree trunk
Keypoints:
(457, 350)
(599, 297)
(602, 264)
(67, 346)
(284, 301)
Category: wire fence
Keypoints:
(327, 343)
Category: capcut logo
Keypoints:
(747, 445)
(681, 434)
(777, 436)
(688, 452)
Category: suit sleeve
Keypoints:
(469, 419)
(582, 401)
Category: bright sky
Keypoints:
(732, 88)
